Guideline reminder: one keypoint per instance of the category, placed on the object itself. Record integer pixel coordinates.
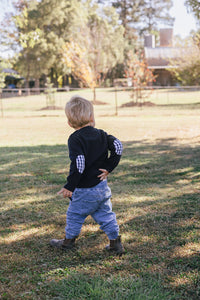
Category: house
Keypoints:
(159, 58)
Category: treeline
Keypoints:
(88, 40)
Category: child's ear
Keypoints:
(92, 121)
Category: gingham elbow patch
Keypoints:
(118, 147)
(80, 163)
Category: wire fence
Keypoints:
(112, 101)
(10, 93)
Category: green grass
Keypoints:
(112, 287)
(155, 196)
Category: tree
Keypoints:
(137, 69)
(155, 12)
(144, 15)
(2, 75)
(42, 28)
(28, 62)
(76, 60)
(59, 21)
(3, 65)
(129, 12)
(50, 94)
(194, 6)
(19, 35)
(187, 67)
(99, 47)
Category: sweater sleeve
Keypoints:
(115, 147)
(77, 165)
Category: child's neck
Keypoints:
(88, 124)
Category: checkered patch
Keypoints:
(118, 147)
(80, 163)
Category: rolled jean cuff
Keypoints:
(70, 236)
(112, 235)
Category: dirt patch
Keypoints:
(52, 108)
(97, 102)
(138, 104)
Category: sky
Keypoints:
(184, 22)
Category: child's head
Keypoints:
(79, 112)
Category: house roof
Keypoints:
(9, 71)
(160, 57)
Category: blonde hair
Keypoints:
(79, 111)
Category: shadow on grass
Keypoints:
(156, 199)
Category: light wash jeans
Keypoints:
(93, 201)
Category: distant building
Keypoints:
(12, 78)
(158, 58)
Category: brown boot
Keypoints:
(63, 244)
(116, 245)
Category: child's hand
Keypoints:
(104, 174)
(66, 193)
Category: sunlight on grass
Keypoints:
(21, 174)
(186, 279)
(23, 234)
(187, 250)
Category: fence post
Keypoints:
(1, 103)
(116, 104)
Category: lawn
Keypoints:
(155, 194)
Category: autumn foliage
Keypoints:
(141, 76)
(75, 58)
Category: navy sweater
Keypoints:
(91, 149)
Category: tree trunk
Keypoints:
(37, 86)
(27, 86)
(27, 83)
(94, 95)
(37, 83)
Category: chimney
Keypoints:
(166, 37)
(149, 41)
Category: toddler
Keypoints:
(93, 154)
